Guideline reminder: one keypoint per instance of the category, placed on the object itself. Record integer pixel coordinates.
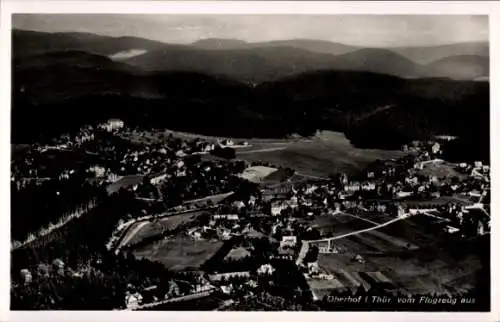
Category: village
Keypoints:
(253, 233)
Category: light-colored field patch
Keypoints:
(237, 253)
(257, 174)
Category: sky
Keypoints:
(359, 30)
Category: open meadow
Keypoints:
(339, 224)
(180, 252)
(326, 153)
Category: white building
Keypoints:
(313, 268)
(26, 276)
(157, 179)
(218, 277)
(436, 148)
(403, 194)
(289, 241)
(355, 186)
(225, 216)
(369, 186)
(98, 170)
(311, 189)
(133, 300)
(265, 269)
(277, 207)
(112, 125)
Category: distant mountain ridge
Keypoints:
(315, 46)
(87, 88)
(259, 62)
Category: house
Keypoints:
(226, 289)
(266, 269)
(58, 264)
(179, 164)
(239, 204)
(98, 171)
(205, 146)
(311, 189)
(403, 194)
(252, 200)
(451, 230)
(313, 268)
(26, 276)
(194, 232)
(133, 300)
(158, 178)
(226, 143)
(354, 186)
(113, 177)
(252, 283)
(112, 124)
(277, 207)
(323, 276)
(358, 258)
(224, 234)
(474, 193)
(173, 290)
(226, 276)
(411, 180)
(368, 186)
(328, 250)
(225, 216)
(180, 173)
(436, 148)
(446, 137)
(180, 153)
(288, 241)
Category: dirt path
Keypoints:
(362, 230)
(130, 235)
(262, 150)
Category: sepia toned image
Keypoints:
(250, 162)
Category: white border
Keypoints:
(8, 7)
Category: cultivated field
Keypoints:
(376, 217)
(407, 255)
(179, 253)
(339, 224)
(257, 174)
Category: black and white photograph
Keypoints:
(250, 162)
